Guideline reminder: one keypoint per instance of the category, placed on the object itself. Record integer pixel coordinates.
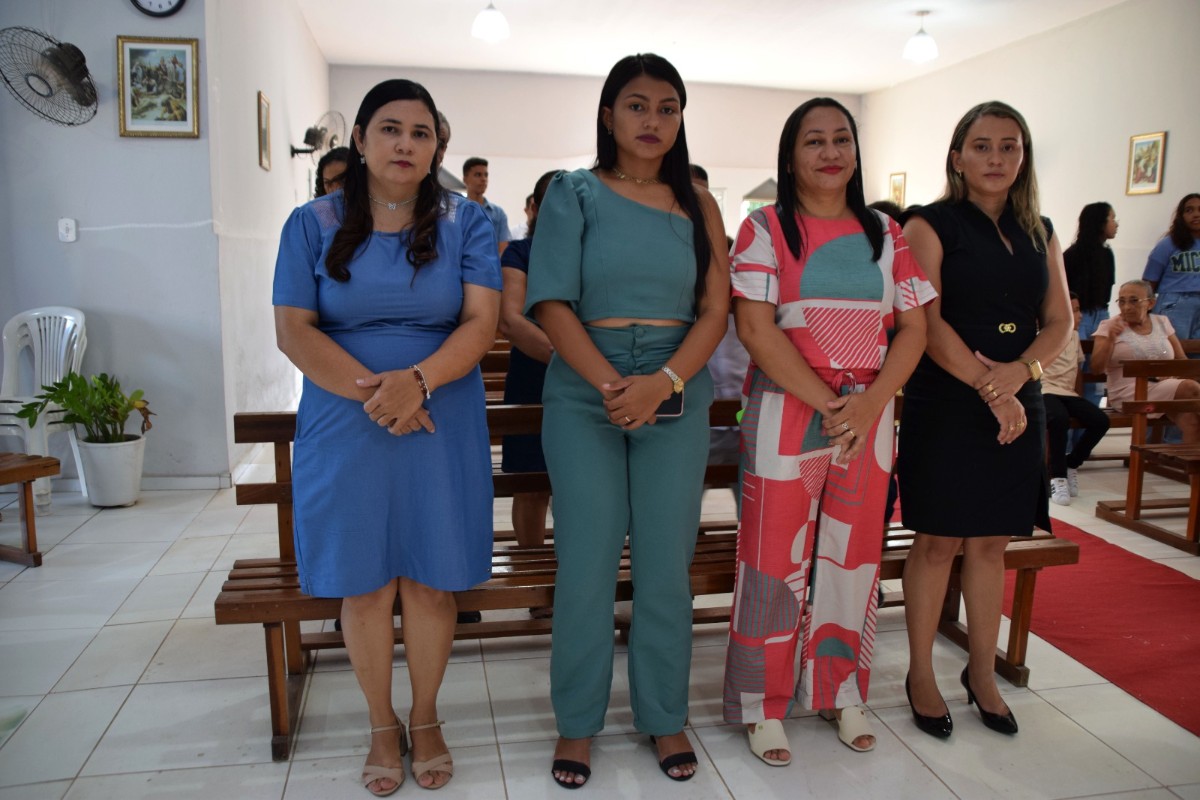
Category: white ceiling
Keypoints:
(836, 45)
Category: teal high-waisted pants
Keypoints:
(608, 482)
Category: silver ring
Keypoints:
(845, 426)
(627, 419)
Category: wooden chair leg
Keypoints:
(281, 728)
(291, 642)
(27, 554)
(1193, 507)
(1011, 663)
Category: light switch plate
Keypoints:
(66, 229)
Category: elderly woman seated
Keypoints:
(1138, 334)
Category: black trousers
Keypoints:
(1060, 410)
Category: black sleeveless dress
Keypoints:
(955, 478)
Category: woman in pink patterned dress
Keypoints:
(818, 282)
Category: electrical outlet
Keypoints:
(66, 229)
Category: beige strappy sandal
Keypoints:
(374, 772)
(443, 763)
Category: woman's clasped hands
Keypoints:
(397, 402)
(998, 388)
(847, 423)
(632, 401)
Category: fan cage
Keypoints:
(37, 69)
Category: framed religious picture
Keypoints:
(158, 86)
(896, 183)
(1145, 173)
(264, 132)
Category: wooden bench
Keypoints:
(1177, 461)
(266, 591)
(23, 470)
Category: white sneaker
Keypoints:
(1073, 481)
(1060, 492)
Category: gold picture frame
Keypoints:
(264, 132)
(1144, 174)
(158, 86)
(896, 184)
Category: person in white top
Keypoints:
(1138, 334)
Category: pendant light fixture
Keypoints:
(920, 47)
(490, 25)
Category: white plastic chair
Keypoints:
(56, 337)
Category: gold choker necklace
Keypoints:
(640, 181)
(394, 206)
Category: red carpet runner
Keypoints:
(1132, 620)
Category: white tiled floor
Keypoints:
(115, 683)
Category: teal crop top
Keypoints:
(609, 256)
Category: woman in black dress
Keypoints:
(1091, 274)
(972, 462)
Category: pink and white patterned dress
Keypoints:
(836, 305)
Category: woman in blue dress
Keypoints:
(386, 297)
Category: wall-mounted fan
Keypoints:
(323, 135)
(48, 76)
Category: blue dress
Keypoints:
(371, 506)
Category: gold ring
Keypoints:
(990, 388)
(994, 394)
(627, 419)
(1020, 424)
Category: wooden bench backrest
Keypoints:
(278, 428)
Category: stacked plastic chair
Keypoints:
(55, 337)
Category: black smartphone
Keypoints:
(672, 406)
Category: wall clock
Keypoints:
(158, 8)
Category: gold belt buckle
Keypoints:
(1008, 327)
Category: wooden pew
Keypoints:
(1178, 461)
(266, 591)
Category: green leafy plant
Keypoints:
(98, 404)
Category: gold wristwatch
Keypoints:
(1035, 369)
(676, 381)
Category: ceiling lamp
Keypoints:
(490, 25)
(920, 47)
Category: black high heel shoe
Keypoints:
(941, 727)
(1000, 723)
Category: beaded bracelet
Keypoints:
(420, 376)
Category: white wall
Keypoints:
(144, 269)
(1084, 88)
(526, 124)
(257, 47)
(177, 237)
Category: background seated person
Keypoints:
(1062, 405)
(1138, 334)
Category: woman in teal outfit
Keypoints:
(629, 279)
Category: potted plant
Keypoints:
(112, 458)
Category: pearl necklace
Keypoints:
(394, 206)
(640, 181)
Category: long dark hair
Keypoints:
(1093, 220)
(787, 201)
(357, 222)
(675, 170)
(337, 154)
(1023, 194)
(1179, 233)
(539, 194)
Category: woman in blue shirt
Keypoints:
(629, 279)
(1173, 269)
